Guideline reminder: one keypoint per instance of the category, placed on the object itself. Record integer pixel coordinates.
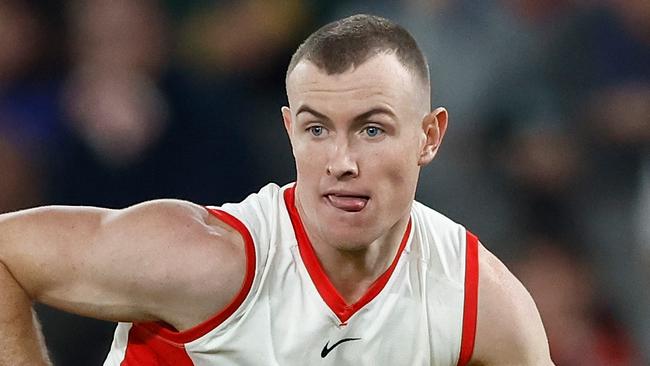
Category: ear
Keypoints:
(286, 118)
(434, 126)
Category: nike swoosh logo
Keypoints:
(327, 350)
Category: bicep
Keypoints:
(42, 246)
(509, 329)
(123, 265)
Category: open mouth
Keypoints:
(348, 203)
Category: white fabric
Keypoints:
(416, 319)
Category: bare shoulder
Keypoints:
(171, 224)
(195, 263)
(174, 223)
(509, 328)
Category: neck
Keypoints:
(353, 271)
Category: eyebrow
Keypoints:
(377, 110)
(308, 109)
(361, 117)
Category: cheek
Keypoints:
(398, 165)
(400, 172)
(308, 159)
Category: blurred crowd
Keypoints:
(547, 157)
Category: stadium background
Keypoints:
(547, 158)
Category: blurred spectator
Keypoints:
(113, 101)
(542, 168)
(610, 91)
(241, 50)
(128, 35)
(118, 114)
(141, 126)
(241, 36)
(19, 180)
(29, 114)
(580, 327)
(19, 40)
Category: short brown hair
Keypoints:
(349, 42)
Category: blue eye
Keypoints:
(316, 130)
(372, 131)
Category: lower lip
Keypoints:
(347, 203)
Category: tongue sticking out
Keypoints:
(348, 203)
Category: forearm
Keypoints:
(21, 341)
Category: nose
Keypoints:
(342, 163)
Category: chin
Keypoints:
(351, 237)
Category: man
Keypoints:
(342, 267)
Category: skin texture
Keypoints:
(123, 265)
(22, 344)
(355, 169)
(357, 136)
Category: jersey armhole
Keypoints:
(470, 304)
(165, 331)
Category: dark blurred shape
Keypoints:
(608, 82)
(545, 161)
(240, 50)
(543, 168)
(20, 40)
(29, 114)
(19, 179)
(581, 329)
(130, 35)
(119, 115)
(140, 125)
(241, 36)
(113, 102)
(635, 15)
(619, 115)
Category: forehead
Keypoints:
(381, 79)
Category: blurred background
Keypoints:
(547, 157)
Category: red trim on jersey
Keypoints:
(325, 288)
(471, 300)
(168, 333)
(145, 348)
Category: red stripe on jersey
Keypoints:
(325, 288)
(471, 300)
(160, 334)
(145, 348)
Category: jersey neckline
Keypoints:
(324, 286)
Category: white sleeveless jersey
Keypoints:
(421, 311)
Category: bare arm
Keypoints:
(153, 261)
(21, 343)
(509, 329)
